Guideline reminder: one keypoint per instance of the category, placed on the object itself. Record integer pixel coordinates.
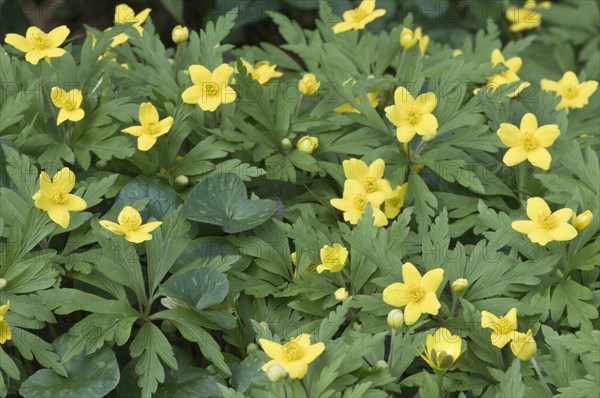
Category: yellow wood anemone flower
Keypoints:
(523, 346)
(412, 116)
(125, 14)
(527, 16)
(359, 17)
(38, 45)
(508, 76)
(545, 226)
(417, 292)
(293, 356)
(354, 200)
(503, 328)
(395, 201)
(210, 89)
(54, 196)
(528, 142)
(333, 258)
(572, 93)
(130, 225)
(409, 38)
(261, 71)
(69, 104)
(348, 108)
(442, 350)
(5, 333)
(151, 127)
(309, 84)
(370, 177)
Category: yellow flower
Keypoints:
(526, 17)
(341, 294)
(408, 39)
(583, 220)
(509, 75)
(151, 127)
(125, 14)
(503, 328)
(69, 104)
(355, 199)
(54, 196)
(457, 53)
(333, 258)
(37, 44)
(395, 201)
(523, 345)
(307, 144)
(370, 177)
(5, 333)
(544, 226)
(262, 71)
(293, 356)
(572, 93)
(416, 293)
(373, 100)
(528, 142)
(412, 116)
(308, 85)
(359, 17)
(180, 34)
(130, 225)
(442, 350)
(210, 89)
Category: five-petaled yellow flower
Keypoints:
(294, 356)
(572, 93)
(359, 17)
(526, 17)
(54, 196)
(37, 44)
(210, 89)
(523, 345)
(125, 14)
(5, 333)
(509, 75)
(408, 39)
(151, 127)
(333, 258)
(417, 292)
(370, 177)
(395, 201)
(309, 84)
(528, 142)
(545, 226)
(354, 200)
(69, 104)
(130, 225)
(261, 71)
(348, 108)
(503, 328)
(442, 350)
(412, 116)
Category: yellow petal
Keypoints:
(412, 313)
(500, 340)
(76, 96)
(32, 32)
(19, 42)
(547, 134)
(145, 142)
(221, 74)
(430, 304)
(524, 226)
(137, 237)
(563, 215)
(432, 280)
(228, 96)
(514, 156)
(536, 207)
(5, 333)
(200, 75)
(376, 169)
(296, 369)
(396, 294)
(342, 27)
(497, 57)
(410, 274)
(64, 180)
(426, 103)
(529, 123)
(130, 215)
(192, 95)
(133, 130)
(303, 340)
(379, 218)
(142, 16)
(511, 316)
(148, 113)
(540, 157)
(488, 319)
(57, 36)
(355, 169)
(353, 188)
(586, 89)
(76, 115)
(45, 182)
(549, 85)
(4, 308)
(124, 14)
(312, 352)
(164, 126)
(34, 56)
(367, 6)
(427, 125)
(341, 204)
(74, 203)
(569, 79)
(403, 97)
(514, 64)
(63, 115)
(540, 236)
(563, 232)
(149, 227)
(405, 132)
(509, 134)
(393, 114)
(112, 227)
(271, 348)
(59, 215)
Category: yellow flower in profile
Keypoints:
(508, 76)
(125, 14)
(442, 350)
(395, 201)
(307, 144)
(370, 177)
(262, 71)
(151, 127)
(583, 220)
(354, 200)
(417, 292)
(528, 142)
(37, 44)
(5, 333)
(347, 108)
(503, 328)
(309, 84)
(130, 225)
(210, 89)
(293, 356)
(523, 346)
(543, 225)
(359, 17)
(412, 116)
(333, 258)
(69, 104)
(408, 39)
(54, 196)
(572, 93)
(526, 17)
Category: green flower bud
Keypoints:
(395, 319)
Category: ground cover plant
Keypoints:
(360, 211)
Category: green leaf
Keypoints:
(199, 288)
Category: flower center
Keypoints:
(528, 141)
(416, 294)
(151, 128)
(412, 117)
(360, 201)
(130, 223)
(503, 326)
(370, 184)
(546, 221)
(211, 88)
(292, 351)
(570, 92)
(394, 202)
(40, 41)
(58, 196)
(70, 105)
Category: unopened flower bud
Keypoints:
(341, 294)
(308, 85)
(286, 144)
(182, 180)
(583, 220)
(524, 346)
(264, 325)
(276, 373)
(460, 285)
(101, 164)
(251, 348)
(307, 144)
(180, 34)
(381, 365)
(167, 327)
(395, 319)
(2, 283)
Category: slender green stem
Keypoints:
(305, 385)
(391, 355)
(441, 383)
(347, 276)
(521, 178)
(541, 376)
(455, 303)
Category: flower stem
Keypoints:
(441, 383)
(305, 385)
(455, 304)
(541, 376)
(391, 355)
